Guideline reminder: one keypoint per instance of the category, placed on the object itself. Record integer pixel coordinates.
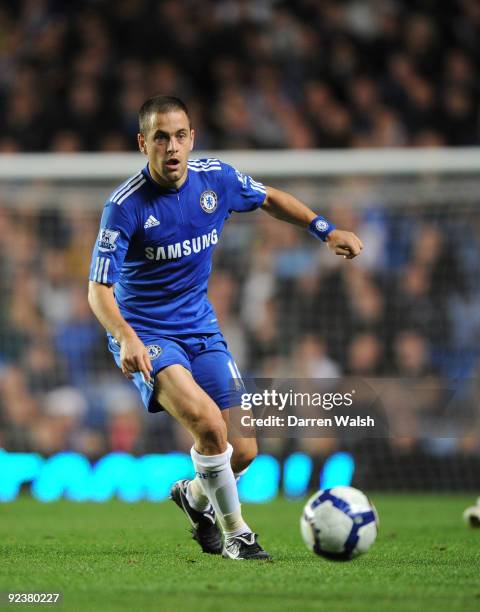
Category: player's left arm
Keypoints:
(287, 207)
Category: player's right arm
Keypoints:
(117, 227)
(133, 354)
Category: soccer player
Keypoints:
(148, 288)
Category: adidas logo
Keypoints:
(151, 222)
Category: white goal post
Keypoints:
(284, 163)
(402, 177)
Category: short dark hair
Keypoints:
(159, 104)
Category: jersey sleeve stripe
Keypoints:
(96, 269)
(98, 278)
(212, 165)
(126, 187)
(256, 183)
(211, 169)
(132, 190)
(260, 190)
(204, 162)
(195, 167)
(105, 271)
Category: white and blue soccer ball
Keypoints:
(339, 523)
(471, 516)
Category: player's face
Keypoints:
(167, 145)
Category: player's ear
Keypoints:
(192, 139)
(141, 143)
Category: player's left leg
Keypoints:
(244, 452)
(177, 391)
(215, 371)
(240, 545)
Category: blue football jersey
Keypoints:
(156, 245)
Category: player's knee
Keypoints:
(212, 435)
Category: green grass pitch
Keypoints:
(119, 556)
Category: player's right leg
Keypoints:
(187, 402)
(244, 452)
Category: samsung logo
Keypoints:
(182, 249)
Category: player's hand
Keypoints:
(134, 358)
(344, 243)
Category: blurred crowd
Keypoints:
(408, 309)
(255, 73)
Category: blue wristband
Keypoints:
(320, 227)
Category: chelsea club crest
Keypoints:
(154, 350)
(208, 201)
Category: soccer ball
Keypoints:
(339, 523)
(471, 516)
